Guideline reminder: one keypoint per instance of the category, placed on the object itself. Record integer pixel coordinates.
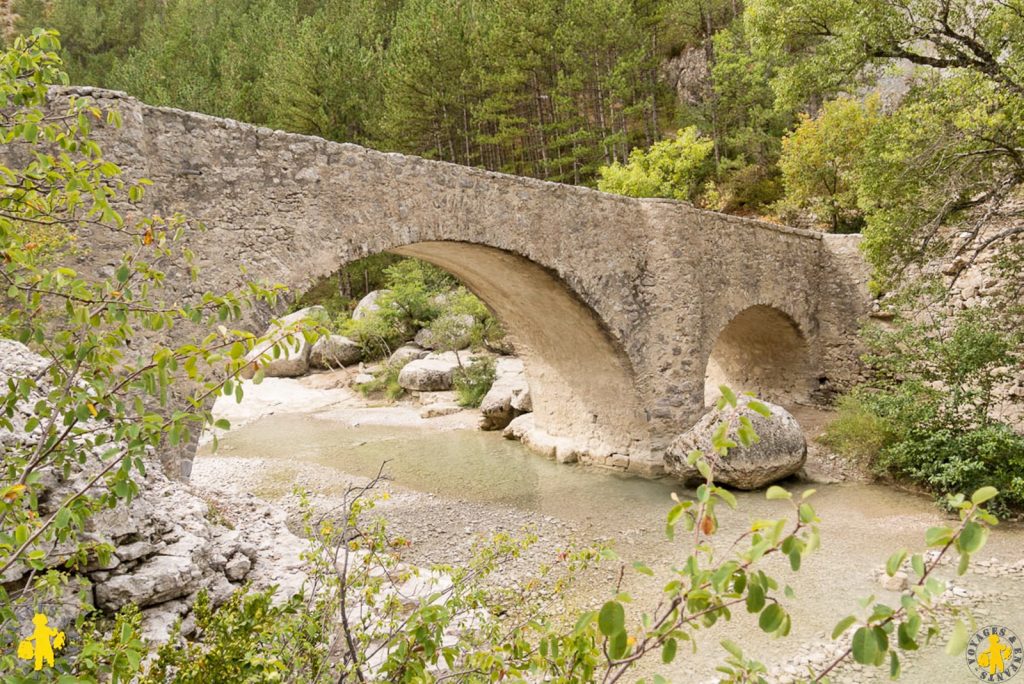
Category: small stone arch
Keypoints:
(761, 350)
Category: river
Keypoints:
(454, 483)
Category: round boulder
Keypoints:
(293, 360)
(334, 351)
(780, 452)
(367, 305)
(431, 374)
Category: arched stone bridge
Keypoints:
(619, 307)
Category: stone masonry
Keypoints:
(615, 303)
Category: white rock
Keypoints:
(334, 351)
(367, 305)
(780, 452)
(293, 360)
(496, 406)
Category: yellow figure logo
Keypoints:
(995, 656)
(42, 649)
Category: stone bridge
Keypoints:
(622, 309)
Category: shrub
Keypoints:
(472, 382)
(949, 460)
(857, 432)
(385, 382)
(675, 168)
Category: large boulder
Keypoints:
(433, 373)
(367, 305)
(334, 351)
(509, 384)
(452, 331)
(781, 451)
(294, 358)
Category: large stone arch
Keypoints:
(582, 383)
(623, 298)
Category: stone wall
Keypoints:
(615, 303)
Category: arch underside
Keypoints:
(582, 386)
(761, 350)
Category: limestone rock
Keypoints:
(294, 358)
(238, 567)
(167, 544)
(509, 383)
(549, 446)
(367, 305)
(334, 351)
(407, 353)
(433, 373)
(172, 573)
(781, 451)
(439, 410)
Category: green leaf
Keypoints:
(984, 494)
(612, 618)
(842, 626)
(584, 621)
(958, 639)
(760, 408)
(63, 517)
(894, 666)
(755, 598)
(777, 493)
(732, 648)
(728, 395)
(917, 563)
(643, 569)
(618, 644)
(938, 536)
(771, 618)
(865, 646)
(905, 636)
(972, 537)
(668, 651)
(894, 562)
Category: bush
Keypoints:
(948, 460)
(385, 381)
(857, 432)
(472, 382)
(675, 168)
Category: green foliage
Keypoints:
(951, 142)
(821, 159)
(418, 296)
(674, 168)
(291, 639)
(215, 58)
(858, 432)
(100, 407)
(927, 417)
(473, 381)
(96, 36)
(385, 382)
(947, 460)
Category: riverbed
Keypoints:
(449, 484)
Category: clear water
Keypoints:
(862, 524)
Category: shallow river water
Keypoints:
(861, 524)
